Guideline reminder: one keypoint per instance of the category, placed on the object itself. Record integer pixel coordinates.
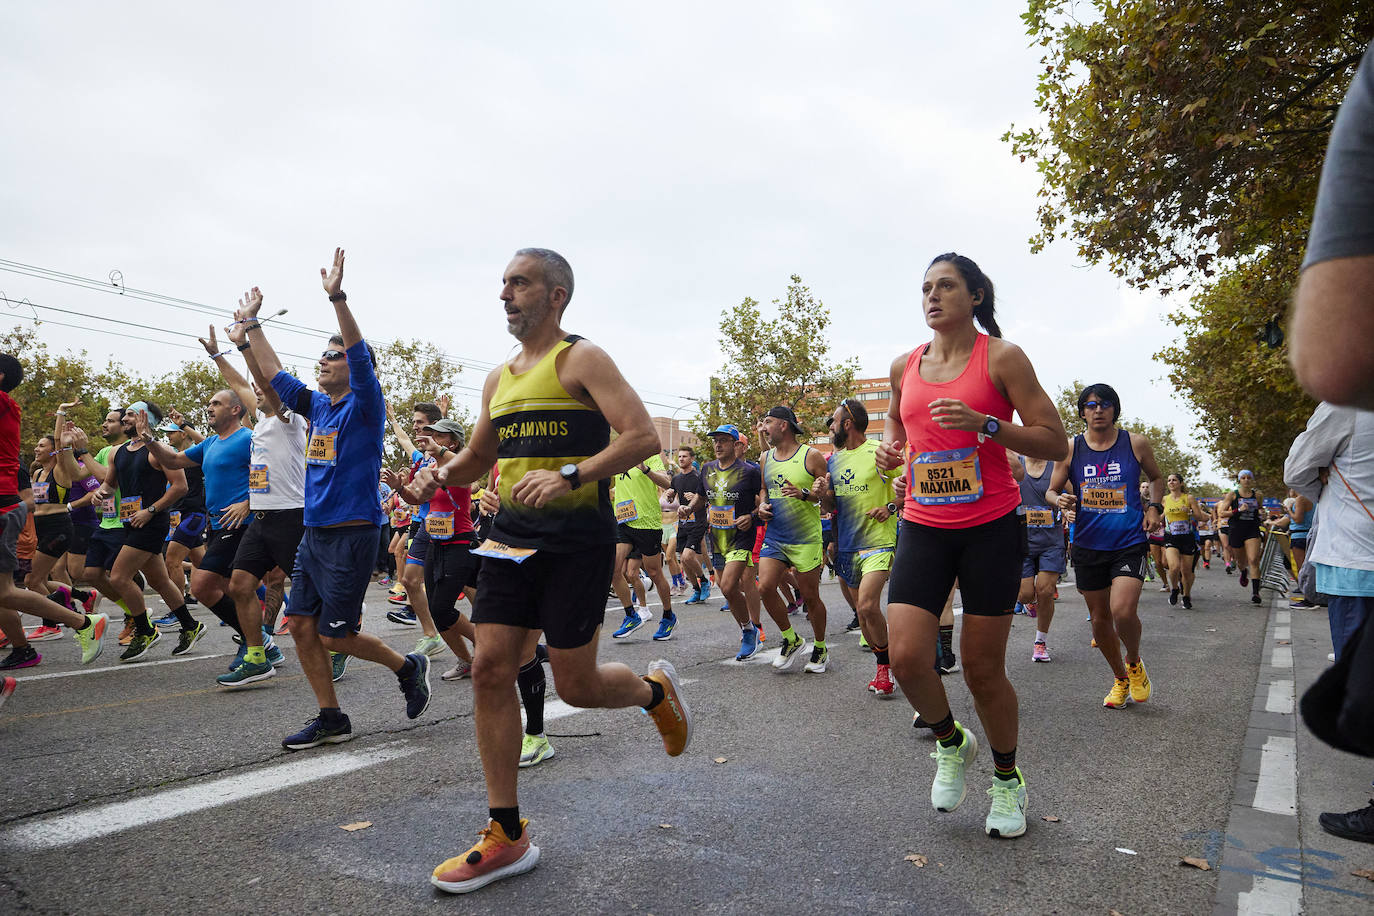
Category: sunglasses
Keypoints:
(1093, 405)
(332, 355)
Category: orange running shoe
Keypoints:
(495, 856)
(126, 635)
(671, 715)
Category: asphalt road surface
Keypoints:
(145, 788)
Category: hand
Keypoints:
(1323, 474)
(444, 403)
(951, 413)
(490, 501)
(392, 479)
(1070, 515)
(1151, 520)
(540, 487)
(67, 438)
(103, 493)
(333, 278)
(766, 511)
(69, 405)
(1067, 501)
(141, 518)
(212, 346)
(249, 305)
(423, 479)
(790, 490)
(899, 486)
(889, 455)
(821, 487)
(878, 513)
(744, 522)
(141, 425)
(390, 412)
(175, 416)
(684, 513)
(234, 515)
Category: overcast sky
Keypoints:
(681, 158)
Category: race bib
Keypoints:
(721, 516)
(322, 449)
(1039, 518)
(40, 492)
(498, 551)
(1178, 527)
(108, 508)
(439, 524)
(1103, 499)
(1249, 508)
(130, 506)
(625, 511)
(257, 479)
(944, 478)
(174, 518)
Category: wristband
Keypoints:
(183, 425)
(244, 346)
(60, 413)
(1158, 507)
(340, 296)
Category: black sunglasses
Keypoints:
(332, 355)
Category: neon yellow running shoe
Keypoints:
(1117, 698)
(1139, 680)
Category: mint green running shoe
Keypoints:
(338, 663)
(948, 790)
(1007, 818)
(430, 645)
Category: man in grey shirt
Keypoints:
(1335, 297)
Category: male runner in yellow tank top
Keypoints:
(546, 419)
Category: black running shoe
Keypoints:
(416, 686)
(852, 625)
(317, 732)
(1353, 825)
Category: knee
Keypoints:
(301, 628)
(981, 675)
(489, 673)
(33, 581)
(907, 663)
(239, 590)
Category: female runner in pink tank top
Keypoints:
(951, 431)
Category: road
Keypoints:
(138, 788)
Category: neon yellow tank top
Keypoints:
(795, 520)
(540, 425)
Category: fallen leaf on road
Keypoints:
(1364, 873)
(1116, 913)
(357, 825)
(1051, 818)
(720, 760)
(1285, 642)
(1197, 863)
(918, 860)
(666, 826)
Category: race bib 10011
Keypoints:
(1103, 499)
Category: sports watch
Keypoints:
(569, 473)
(990, 427)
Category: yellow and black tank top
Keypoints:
(539, 425)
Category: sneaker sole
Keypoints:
(999, 835)
(783, 662)
(332, 739)
(518, 867)
(664, 637)
(253, 679)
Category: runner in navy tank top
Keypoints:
(955, 397)
(1109, 526)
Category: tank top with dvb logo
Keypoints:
(540, 425)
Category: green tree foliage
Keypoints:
(771, 361)
(411, 372)
(49, 380)
(1169, 455)
(1179, 132)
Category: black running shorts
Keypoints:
(986, 559)
(270, 542)
(563, 594)
(1094, 570)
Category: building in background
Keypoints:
(672, 434)
(875, 394)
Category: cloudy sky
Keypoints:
(681, 159)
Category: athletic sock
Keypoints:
(119, 603)
(789, 635)
(947, 732)
(143, 626)
(1004, 764)
(225, 610)
(1041, 636)
(407, 668)
(819, 644)
(947, 640)
(1254, 586)
(657, 689)
(880, 655)
(255, 655)
(531, 682)
(184, 618)
(630, 611)
(330, 714)
(509, 819)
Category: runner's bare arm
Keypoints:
(1042, 435)
(176, 488)
(474, 459)
(1059, 481)
(1018, 470)
(658, 477)
(162, 455)
(232, 377)
(332, 280)
(1335, 304)
(238, 333)
(407, 445)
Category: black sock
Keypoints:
(947, 640)
(509, 819)
(407, 668)
(184, 618)
(143, 626)
(657, 688)
(81, 594)
(880, 655)
(1254, 586)
(531, 682)
(946, 731)
(331, 714)
(1004, 765)
(224, 609)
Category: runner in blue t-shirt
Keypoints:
(412, 572)
(342, 518)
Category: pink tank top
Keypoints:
(953, 481)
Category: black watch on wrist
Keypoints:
(569, 473)
(892, 508)
(991, 425)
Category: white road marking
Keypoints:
(1276, 790)
(1282, 657)
(1280, 697)
(1270, 897)
(152, 808)
(1283, 617)
(127, 666)
(1283, 632)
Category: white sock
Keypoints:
(1041, 636)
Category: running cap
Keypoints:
(1102, 392)
(726, 429)
(169, 427)
(785, 413)
(445, 425)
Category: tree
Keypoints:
(49, 380)
(1177, 133)
(782, 360)
(1169, 455)
(411, 372)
